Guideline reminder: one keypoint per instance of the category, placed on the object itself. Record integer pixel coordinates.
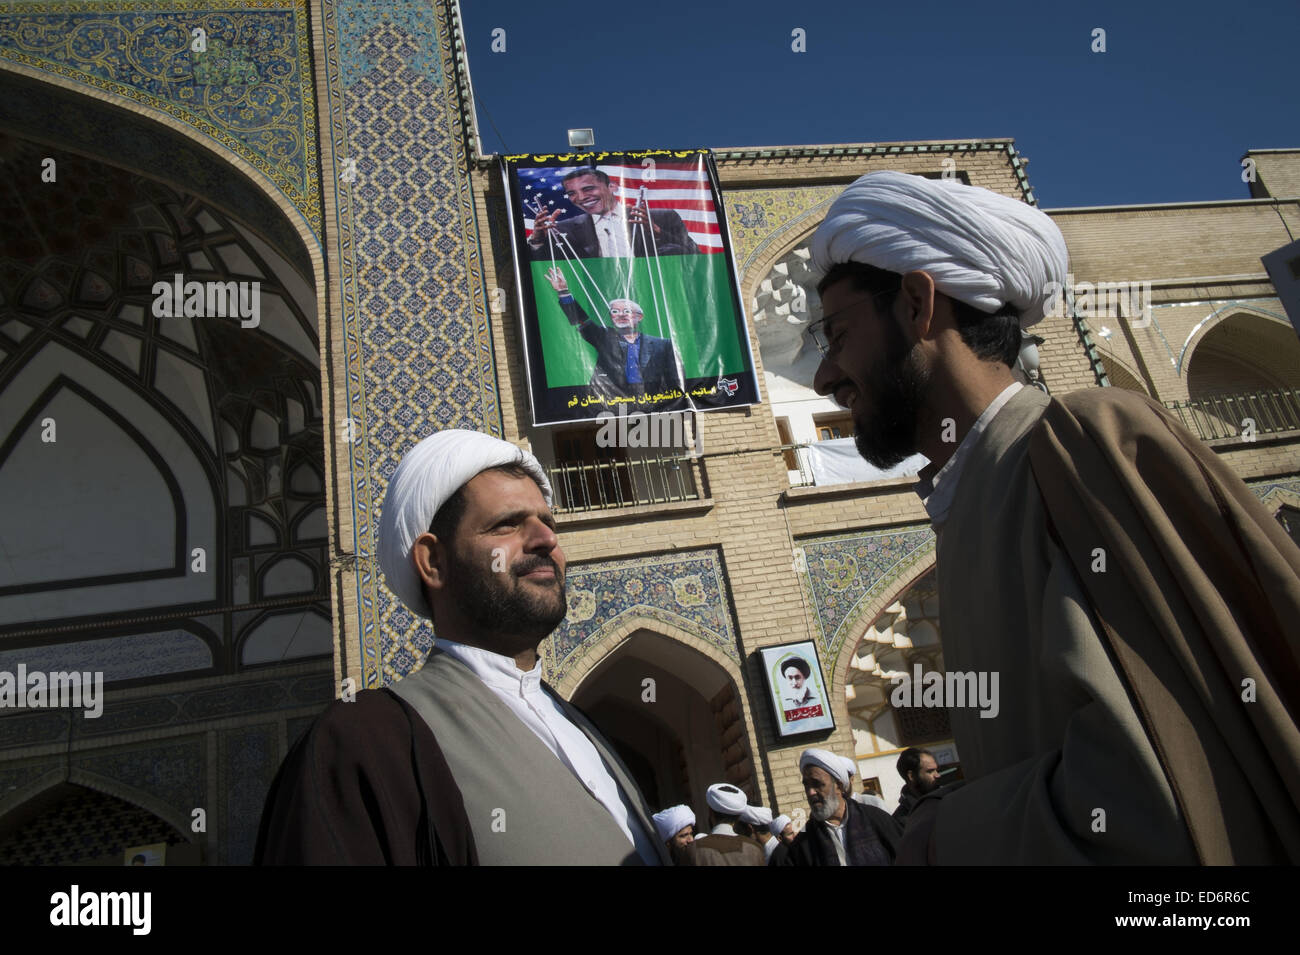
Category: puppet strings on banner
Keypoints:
(658, 293)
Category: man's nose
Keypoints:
(541, 536)
(827, 374)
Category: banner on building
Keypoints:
(626, 285)
(796, 688)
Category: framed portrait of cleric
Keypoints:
(799, 696)
(626, 285)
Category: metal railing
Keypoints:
(1227, 416)
(604, 485)
(797, 454)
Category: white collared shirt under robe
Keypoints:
(521, 691)
(937, 491)
(837, 838)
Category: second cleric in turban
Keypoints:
(722, 845)
(1121, 579)
(472, 758)
(840, 831)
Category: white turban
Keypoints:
(850, 766)
(757, 815)
(431, 472)
(980, 247)
(825, 759)
(726, 799)
(777, 825)
(672, 821)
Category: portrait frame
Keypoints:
(800, 702)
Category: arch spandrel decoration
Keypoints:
(168, 779)
(616, 634)
(847, 577)
(251, 90)
(1275, 494)
(682, 593)
(767, 222)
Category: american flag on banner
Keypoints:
(683, 187)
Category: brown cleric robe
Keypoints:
(1123, 582)
(440, 771)
(722, 849)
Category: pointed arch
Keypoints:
(1217, 317)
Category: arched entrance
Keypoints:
(905, 635)
(674, 716)
(162, 463)
(73, 825)
(1243, 352)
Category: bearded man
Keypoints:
(676, 827)
(841, 831)
(472, 759)
(1138, 602)
(920, 772)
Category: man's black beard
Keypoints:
(504, 612)
(889, 435)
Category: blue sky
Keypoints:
(1163, 115)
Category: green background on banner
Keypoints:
(699, 300)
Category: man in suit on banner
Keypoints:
(606, 228)
(627, 361)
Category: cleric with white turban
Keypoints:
(981, 248)
(825, 759)
(428, 474)
(757, 816)
(672, 821)
(726, 799)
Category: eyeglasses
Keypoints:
(817, 330)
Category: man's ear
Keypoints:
(918, 297)
(430, 559)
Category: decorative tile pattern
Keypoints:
(19, 728)
(415, 334)
(846, 573)
(759, 218)
(1265, 488)
(242, 699)
(16, 777)
(174, 772)
(86, 126)
(248, 763)
(131, 716)
(84, 825)
(251, 90)
(415, 18)
(118, 658)
(683, 590)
